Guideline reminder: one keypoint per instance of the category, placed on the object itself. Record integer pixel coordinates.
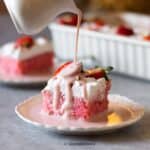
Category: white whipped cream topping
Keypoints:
(40, 46)
(107, 29)
(94, 88)
(104, 28)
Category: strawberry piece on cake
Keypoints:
(26, 56)
(125, 31)
(147, 37)
(74, 93)
(25, 42)
(68, 20)
(96, 24)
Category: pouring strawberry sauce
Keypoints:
(75, 93)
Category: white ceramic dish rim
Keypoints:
(99, 34)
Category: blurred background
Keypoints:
(9, 33)
(7, 29)
(142, 6)
(139, 6)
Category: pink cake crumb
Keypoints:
(81, 108)
(10, 66)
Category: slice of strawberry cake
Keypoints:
(25, 56)
(74, 93)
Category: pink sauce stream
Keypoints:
(70, 74)
(77, 36)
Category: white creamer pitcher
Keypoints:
(32, 16)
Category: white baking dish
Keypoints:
(128, 55)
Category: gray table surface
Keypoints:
(17, 135)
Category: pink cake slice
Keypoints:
(81, 107)
(26, 56)
(41, 63)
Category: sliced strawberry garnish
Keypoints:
(99, 22)
(95, 73)
(147, 37)
(96, 24)
(124, 30)
(62, 67)
(68, 20)
(25, 41)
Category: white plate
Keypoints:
(25, 79)
(122, 113)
